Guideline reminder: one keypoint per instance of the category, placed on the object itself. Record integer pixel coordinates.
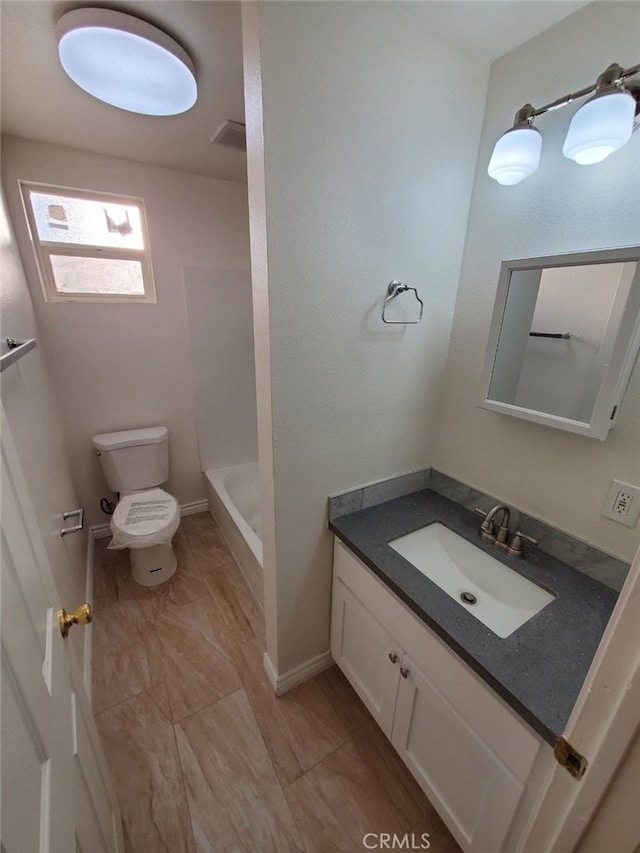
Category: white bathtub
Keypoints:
(234, 502)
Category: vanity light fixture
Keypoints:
(126, 62)
(603, 124)
(517, 153)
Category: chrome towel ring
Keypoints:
(394, 288)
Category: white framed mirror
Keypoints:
(564, 337)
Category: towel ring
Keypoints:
(394, 288)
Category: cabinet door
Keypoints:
(472, 790)
(366, 653)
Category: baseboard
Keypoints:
(194, 507)
(99, 531)
(288, 680)
(88, 630)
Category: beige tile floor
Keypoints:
(203, 755)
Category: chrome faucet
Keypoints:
(498, 535)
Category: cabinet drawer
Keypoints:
(511, 741)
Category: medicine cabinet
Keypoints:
(564, 339)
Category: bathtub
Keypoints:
(234, 502)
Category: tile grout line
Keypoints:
(144, 689)
(343, 742)
(319, 761)
(128, 699)
(208, 705)
(273, 768)
(182, 778)
(242, 689)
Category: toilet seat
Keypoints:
(142, 519)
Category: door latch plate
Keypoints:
(570, 758)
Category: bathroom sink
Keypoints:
(500, 598)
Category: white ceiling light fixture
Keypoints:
(601, 126)
(126, 62)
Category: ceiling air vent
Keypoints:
(231, 134)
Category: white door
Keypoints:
(366, 653)
(55, 793)
(474, 793)
(602, 727)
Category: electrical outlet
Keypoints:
(622, 503)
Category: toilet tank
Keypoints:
(135, 458)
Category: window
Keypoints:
(90, 247)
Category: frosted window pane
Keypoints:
(97, 275)
(79, 221)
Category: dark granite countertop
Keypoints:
(539, 669)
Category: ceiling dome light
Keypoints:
(126, 62)
(517, 153)
(601, 126)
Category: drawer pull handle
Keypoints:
(404, 672)
(393, 657)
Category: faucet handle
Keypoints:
(485, 525)
(515, 548)
(526, 538)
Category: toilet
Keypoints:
(135, 462)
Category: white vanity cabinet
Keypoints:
(470, 753)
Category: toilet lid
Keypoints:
(145, 514)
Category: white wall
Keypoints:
(558, 477)
(31, 407)
(119, 366)
(252, 72)
(221, 344)
(368, 161)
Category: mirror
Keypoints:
(564, 337)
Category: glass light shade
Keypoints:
(516, 155)
(126, 62)
(601, 126)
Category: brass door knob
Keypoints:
(82, 616)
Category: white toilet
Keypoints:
(135, 463)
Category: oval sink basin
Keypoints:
(500, 598)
